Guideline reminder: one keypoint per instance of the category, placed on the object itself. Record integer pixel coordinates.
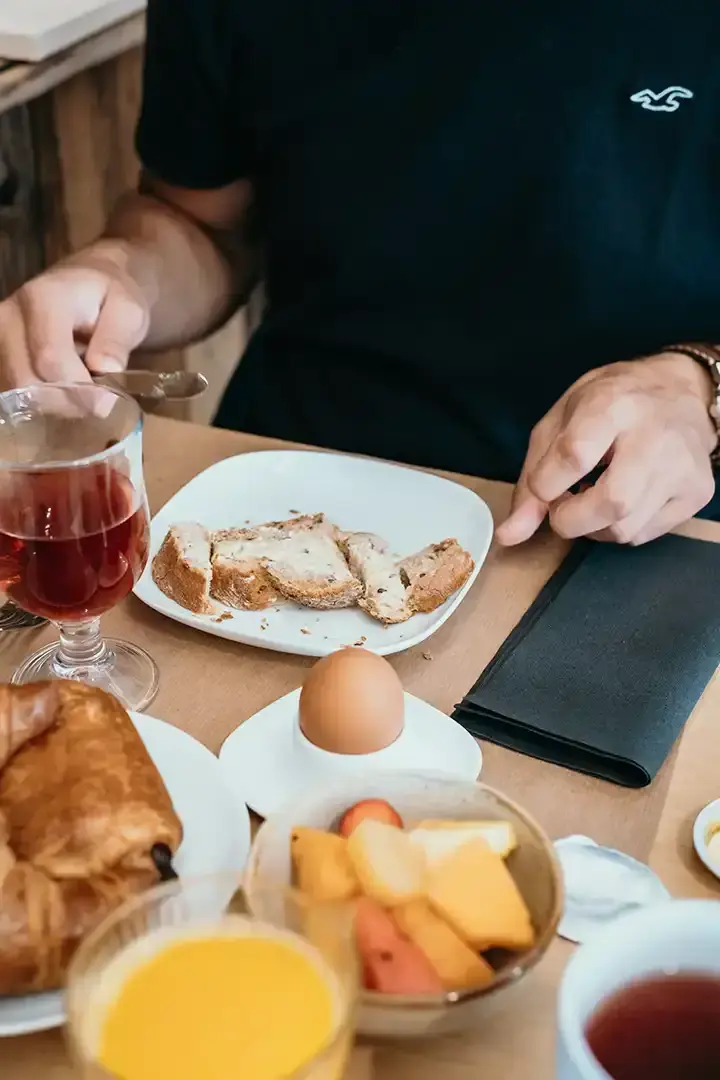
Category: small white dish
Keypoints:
(601, 885)
(216, 837)
(706, 823)
(272, 763)
(408, 508)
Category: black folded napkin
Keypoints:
(603, 671)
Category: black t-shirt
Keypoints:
(465, 205)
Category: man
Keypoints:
(482, 228)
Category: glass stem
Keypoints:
(81, 644)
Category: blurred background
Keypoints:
(70, 79)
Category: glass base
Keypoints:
(123, 670)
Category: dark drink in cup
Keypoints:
(641, 999)
(664, 1027)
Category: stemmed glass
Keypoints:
(74, 529)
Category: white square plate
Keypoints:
(410, 509)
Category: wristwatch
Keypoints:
(709, 357)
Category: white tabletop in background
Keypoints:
(32, 30)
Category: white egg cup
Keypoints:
(272, 762)
(313, 760)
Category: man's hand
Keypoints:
(90, 299)
(648, 422)
(172, 266)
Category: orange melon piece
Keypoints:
(473, 890)
(322, 865)
(458, 967)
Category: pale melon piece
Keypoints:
(438, 839)
(390, 868)
(322, 865)
(474, 891)
(458, 967)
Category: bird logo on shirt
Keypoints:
(668, 100)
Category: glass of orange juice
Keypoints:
(188, 983)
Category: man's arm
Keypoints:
(185, 236)
(174, 260)
(171, 266)
(189, 251)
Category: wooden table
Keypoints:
(208, 686)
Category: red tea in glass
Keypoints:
(73, 542)
(665, 1027)
(74, 531)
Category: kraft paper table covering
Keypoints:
(208, 686)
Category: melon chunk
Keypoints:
(439, 838)
(473, 890)
(323, 866)
(390, 868)
(452, 959)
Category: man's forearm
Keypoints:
(192, 278)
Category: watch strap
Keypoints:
(709, 357)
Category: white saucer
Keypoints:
(216, 837)
(265, 760)
(707, 817)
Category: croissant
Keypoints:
(81, 807)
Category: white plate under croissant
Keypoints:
(178, 793)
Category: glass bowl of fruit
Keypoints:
(456, 888)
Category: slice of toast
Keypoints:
(435, 573)
(385, 596)
(307, 565)
(298, 560)
(181, 567)
(239, 573)
(242, 583)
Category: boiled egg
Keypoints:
(352, 703)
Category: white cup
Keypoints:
(680, 936)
